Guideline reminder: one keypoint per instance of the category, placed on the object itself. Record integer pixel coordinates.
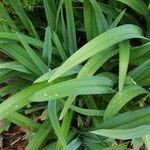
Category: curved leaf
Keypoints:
(98, 44)
(122, 98)
(85, 85)
(124, 133)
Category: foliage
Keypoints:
(82, 67)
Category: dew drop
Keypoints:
(86, 64)
(45, 94)
(56, 95)
(84, 68)
(133, 81)
(16, 106)
(119, 93)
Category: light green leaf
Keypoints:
(19, 100)
(101, 42)
(124, 133)
(117, 20)
(84, 85)
(14, 66)
(52, 112)
(22, 121)
(146, 140)
(124, 52)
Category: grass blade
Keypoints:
(70, 27)
(17, 6)
(36, 60)
(52, 112)
(124, 133)
(39, 136)
(47, 49)
(124, 52)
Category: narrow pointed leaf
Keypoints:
(85, 85)
(124, 133)
(101, 42)
(124, 52)
(122, 98)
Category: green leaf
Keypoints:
(74, 144)
(17, 52)
(137, 143)
(46, 76)
(5, 15)
(138, 5)
(146, 140)
(14, 66)
(22, 121)
(122, 98)
(107, 9)
(14, 37)
(89, 21)
(70, 27)
(139, 50)
(59, 46)
(116, 147)
(138, 72)
(99, 17)
(101, 42)
(50, 12)
(7, 75)
(52, 112)
(87, 112)
(47, 49)
(124, 52)
(36, 60)
(39, 136)
(122, 120)
(91, 66)
(95, 62)
(124, 133)
(117, 20)
(84, 85)
(17, 6)
(14, 87)
(19, 100)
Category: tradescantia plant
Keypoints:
(83, 66)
